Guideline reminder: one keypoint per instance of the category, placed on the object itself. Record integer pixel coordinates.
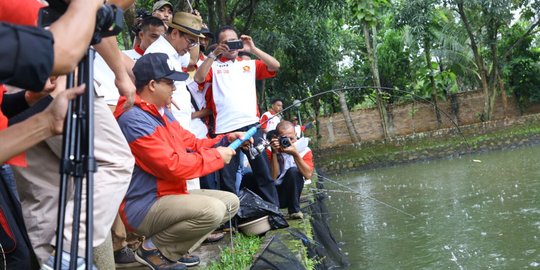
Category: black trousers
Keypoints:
(290, 189)
(260, 180)
(210, 181)
(14, 239)
(227, 175)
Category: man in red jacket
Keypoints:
(157, 203)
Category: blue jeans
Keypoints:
(9, 179)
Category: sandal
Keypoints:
(214, 237)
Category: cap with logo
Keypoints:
(154, 66)
(160, 4)
(187, 23)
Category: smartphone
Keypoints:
(235, 44)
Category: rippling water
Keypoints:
(476, 212)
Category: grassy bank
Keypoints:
(240, 255)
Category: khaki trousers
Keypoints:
(178, 224)
(39, 182)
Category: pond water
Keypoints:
(474, 212)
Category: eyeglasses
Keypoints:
(168, 82)
(191, 42)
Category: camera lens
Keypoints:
(284, 141)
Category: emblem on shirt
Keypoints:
(246, 68)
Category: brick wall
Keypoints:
(414, 117)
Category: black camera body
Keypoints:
(109, 19)
(284, 141)
(235, 44)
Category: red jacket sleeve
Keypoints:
(196, 144)
(172, 163)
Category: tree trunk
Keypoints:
(213, 23)
(482, 72)
(434, 96)
(262, 95)
(317, 109)
(372, 55)
(503, 97)
(221, 12)
(355, 138)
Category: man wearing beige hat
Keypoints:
(180, 41)
(163, 10)
(182, 35)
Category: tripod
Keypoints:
(78, 163)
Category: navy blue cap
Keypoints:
(155, 66)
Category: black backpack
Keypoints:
(15, 251)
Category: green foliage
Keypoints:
(241, 257)
(320, 45)
(522, 67)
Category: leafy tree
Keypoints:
(483, 21)
(420, 16)
(366, 14)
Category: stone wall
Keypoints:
(486, 136)
(414, 117)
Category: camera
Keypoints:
(109, 19)
(143, 13)
(284, 141)
(235, 44)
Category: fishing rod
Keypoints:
(235, 144)
(364, 195)
(254, 129)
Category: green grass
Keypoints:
(241, 256)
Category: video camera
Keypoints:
(109, 19)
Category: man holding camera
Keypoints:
(235, 98)
(291, 161)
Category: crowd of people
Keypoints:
(165, 113)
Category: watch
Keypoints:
(212, 56)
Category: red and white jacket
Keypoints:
(166, 155)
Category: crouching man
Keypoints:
(157, 204)
(291, 162)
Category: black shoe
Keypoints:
(156, 261)
(189, 260)
(125, 258)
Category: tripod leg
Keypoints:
(77, 170)
(65, 172)
(90, 159)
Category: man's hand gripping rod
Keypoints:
(234, 145)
